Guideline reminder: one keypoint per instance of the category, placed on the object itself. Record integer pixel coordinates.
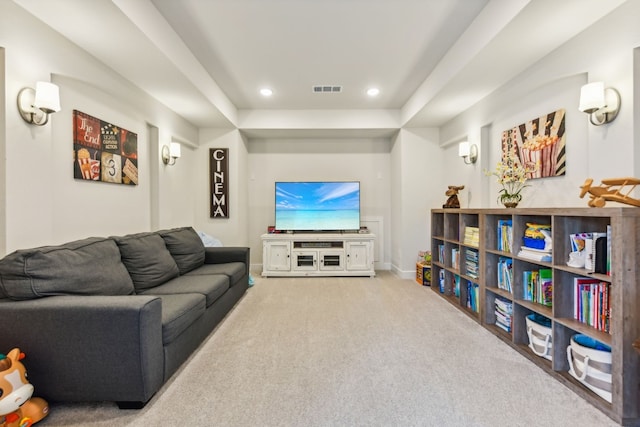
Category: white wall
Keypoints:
(44, 204)
(603, 52)
(232, 231)
(417, 169)
(270, 160)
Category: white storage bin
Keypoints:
(590, 363)
(539, 332)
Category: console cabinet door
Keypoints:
(277, 256)
(358, 256)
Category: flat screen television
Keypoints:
(317, 206)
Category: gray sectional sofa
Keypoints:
(111, 319)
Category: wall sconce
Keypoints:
(469, 152)
(170, 153)
(602, 104)
(35, 105)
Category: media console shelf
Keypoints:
(321, 254)
(451, 262)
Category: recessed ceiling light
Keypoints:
(266, 92)
(374, 91)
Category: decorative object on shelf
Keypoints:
(610, 190)
(103, 152)
(452, 192)
(600, 103)
(512, 174)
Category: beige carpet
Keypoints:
(349, 352)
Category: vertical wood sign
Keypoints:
(218, 182)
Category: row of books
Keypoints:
(473, 296)
(472, 236)
(505, 274)
(538, 286)
(504, 312)
(441, 253)
(505, 235)
(591, 303)
(471, 263)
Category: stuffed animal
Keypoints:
(452, 192)
(17, 407)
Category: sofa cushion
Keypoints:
(84, 267)
(234, 270)
(211, 286)
(179, 311)
(185, 247)
(147, 259)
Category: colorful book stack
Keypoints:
(441, 254)
(471, 263)
(472, 296)
(591, 303)
(504, 311)
(505, 235)
(505, 274)
(538, 286)
(471, 236)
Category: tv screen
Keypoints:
(317, 206)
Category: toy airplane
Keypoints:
(610, 190)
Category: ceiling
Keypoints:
(207, 59)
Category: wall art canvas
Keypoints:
(219, 182)
(103, 151)
(540, 141)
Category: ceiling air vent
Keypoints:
(327, 89)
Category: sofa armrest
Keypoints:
(88, 348)
(225, 254)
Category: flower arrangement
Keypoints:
(512, 174)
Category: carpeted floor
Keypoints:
(349, 352)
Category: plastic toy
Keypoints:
(610, 190)
(17, 407)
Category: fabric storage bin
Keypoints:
(590, 363)
(539, 333)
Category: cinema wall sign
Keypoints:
(219, 182)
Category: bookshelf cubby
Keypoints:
(448, 228)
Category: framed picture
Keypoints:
(103, 151)
(540, 141)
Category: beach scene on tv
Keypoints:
(317, 206)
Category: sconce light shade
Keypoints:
(602, 104)
(469, 152)
(35, 105)
(171, 153)
(175, 150)
(47, 97)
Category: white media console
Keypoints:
(318, 254)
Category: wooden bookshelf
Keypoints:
(448, 231)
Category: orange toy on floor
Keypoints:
(17, 407)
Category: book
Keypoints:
(535, 254)
(505, 274)
(505, 235)
(471, 236)
(591, 244)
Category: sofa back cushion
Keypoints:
(83, 267)
(185, 247)
(147, 259)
